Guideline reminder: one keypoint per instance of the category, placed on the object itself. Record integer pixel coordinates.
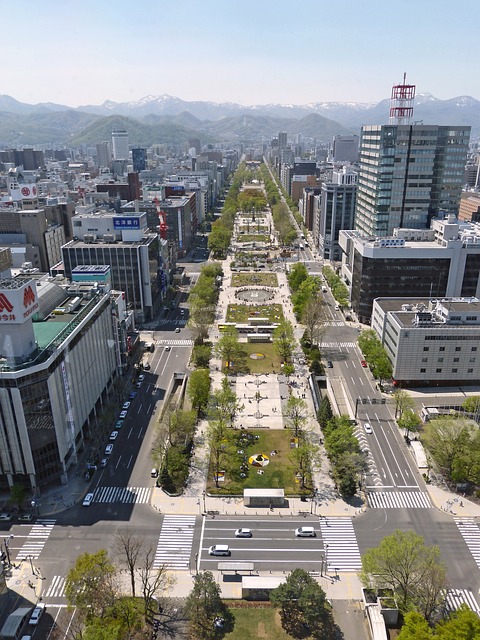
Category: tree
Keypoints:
(404, 563)
(283, 340)
(18, 495)
(325, 412)
(90, 584)
(200, 320)
(306, 292)
(462, 624)
(199, 389)
(154, 581)
(409, 421)
(304, 609)
(128, 548)
(219, 238)
(451, 442)
(472, 404)
(224, 403)
(203, 606)
(201, 355)
(312, 317)
(415, 627)
(297, 274)
(219, 438)
(403, 401)
(296, 412)
(230, 350)
(304, 457)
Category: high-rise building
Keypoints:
(282, 140)
(345, 149)
(104, 154)
(337, 209)
(139, 159)
(408, 175)
(120, 144)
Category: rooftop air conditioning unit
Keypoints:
(109, 237)
(89, 238)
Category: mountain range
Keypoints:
(167, 119)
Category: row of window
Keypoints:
(455, 360)
(440, 371)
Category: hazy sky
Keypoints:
(78, 52)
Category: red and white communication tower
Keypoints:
(401, 102)
(163, 227)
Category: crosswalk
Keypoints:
(175, 542)
(335, 345)
(127, 495)
(333, 323)
(471, 534)
(340, 544)
(181, 322)
(456, 597)
(56, 588)
(174, 343)
(399, 500)
(36, 539)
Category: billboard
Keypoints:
(126, 222)
(18, 305)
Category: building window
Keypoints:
(454, 370)
(456, 359)
(474, 348)
(424, 359)
(438, 371)
(440, 360)
(458, 348)
(469, 370)
(423, 370)
(426, 348)
(442, 349)
(471, 360)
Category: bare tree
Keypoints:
(296, 414)
(128, 550)
(312, 318)
(153, 582)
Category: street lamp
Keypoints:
(204, 493)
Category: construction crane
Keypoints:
(162, 217)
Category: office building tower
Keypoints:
(139, 159)
(337, 211)
(282, 140)
(120, 144)
(345, 149)
(408, 175)
(104, 154)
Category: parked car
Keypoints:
(5, 517)
(26, 517)
(126, 406)
(103, 463)
(329, 364)
(108, 449)
(113, 435)
(364, 363)
(119, 424)
(141, 377)
(146, 366)
(133, 395)
(122, 415)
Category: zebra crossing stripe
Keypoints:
(399, 500)
(175, 542)
(174, 343)
(471, 534)
(334, 345)
(126, 495)
(340, 544)
(36, 539)
(456, 597)
(56, 588)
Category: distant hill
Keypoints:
(157, 119)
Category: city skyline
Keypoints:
(258, 54)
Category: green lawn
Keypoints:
(250, 237)
(240, 313)
(254, 279)
(269, 364)
(278, 474)
(254, 622)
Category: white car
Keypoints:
(103, 463)
(113, 435)
(167, 348)
(123, 415)
(126, 406)
(368, 428)
(141, 377)
(108, 449)
(87, 501)
(37, 613)
(243, 533)
(5, 517)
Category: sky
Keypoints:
(249, 52)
